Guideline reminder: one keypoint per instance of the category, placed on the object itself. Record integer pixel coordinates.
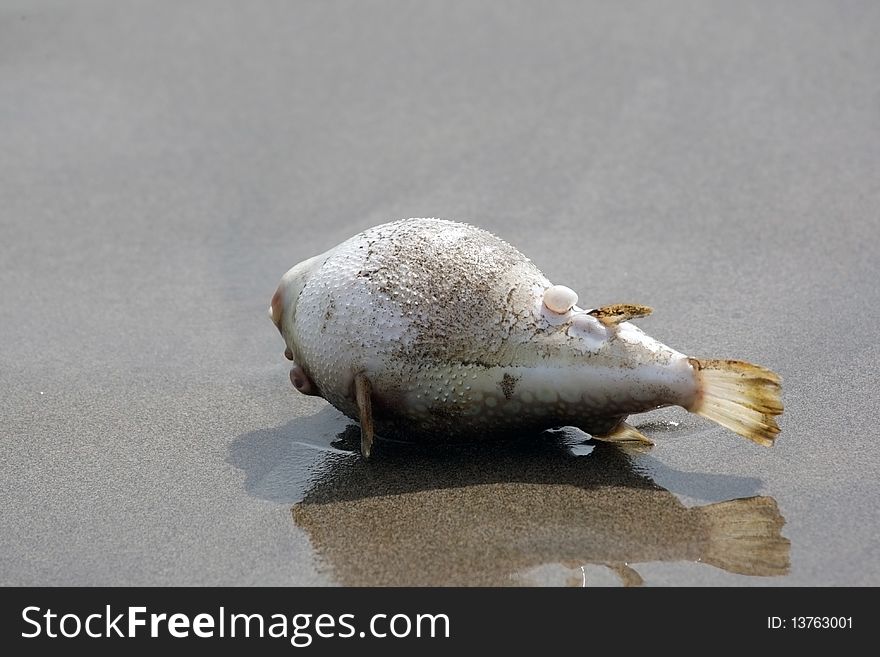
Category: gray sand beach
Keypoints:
(162, 164)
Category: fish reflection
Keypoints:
(493, 515)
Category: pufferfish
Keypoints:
(428, 329)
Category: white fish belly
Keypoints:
(470, 401)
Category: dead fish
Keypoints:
(470, 517)
(434, 329)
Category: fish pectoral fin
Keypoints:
(620, 312)
(363, 391)
(626, 436)
(628, 576)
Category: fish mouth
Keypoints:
(276, 308)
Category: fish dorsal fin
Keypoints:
(620, 312)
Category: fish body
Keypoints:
(434, 329)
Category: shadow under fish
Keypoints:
(491, 514)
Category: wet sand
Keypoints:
(162, 166)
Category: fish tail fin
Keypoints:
(743, 397)
(745, 537)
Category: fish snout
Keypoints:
(301, 381)
(276, 308)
